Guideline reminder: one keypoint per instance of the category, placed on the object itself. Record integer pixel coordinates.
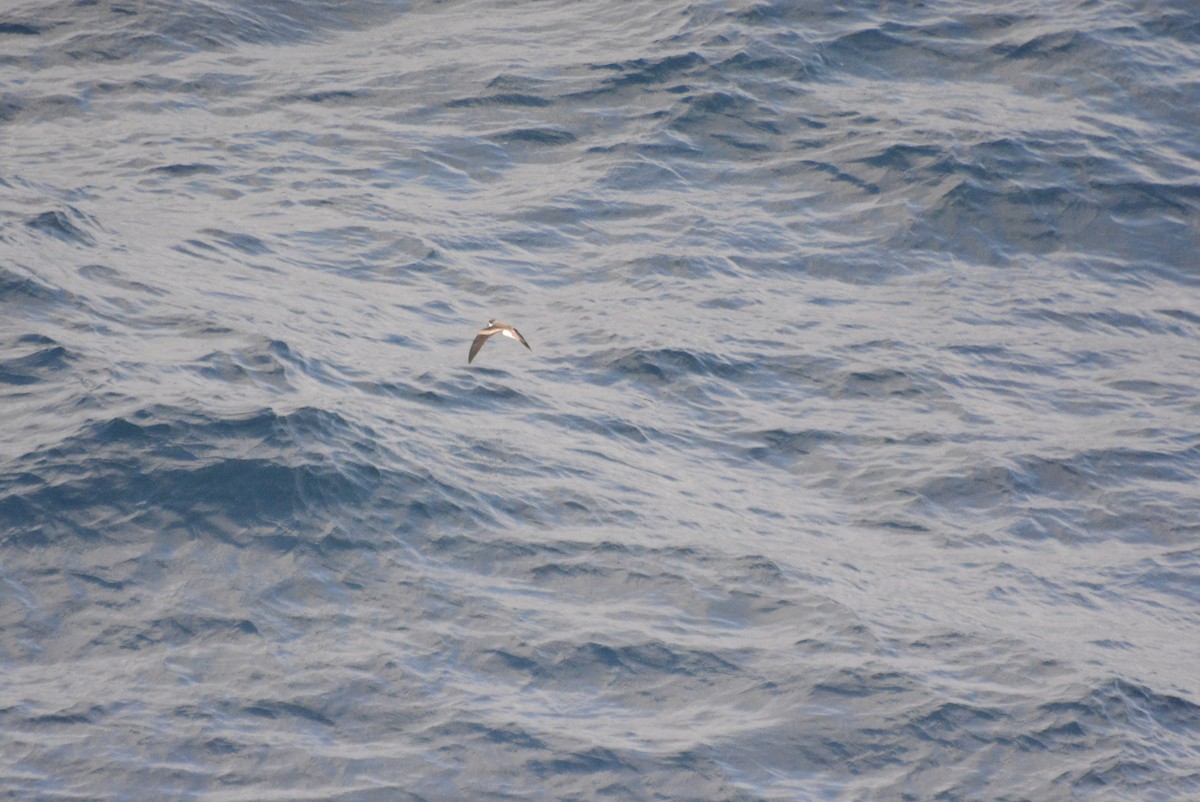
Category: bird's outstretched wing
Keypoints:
(477, 343)
(519, 337)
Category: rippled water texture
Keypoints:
(855, 457)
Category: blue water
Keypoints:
(856, 456)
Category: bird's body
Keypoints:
(494, 327)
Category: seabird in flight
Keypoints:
(494, 327)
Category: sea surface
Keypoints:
(857, 455)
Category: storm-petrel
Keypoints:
(494, 327)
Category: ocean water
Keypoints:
(856, 456)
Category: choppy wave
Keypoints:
(854, 458)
